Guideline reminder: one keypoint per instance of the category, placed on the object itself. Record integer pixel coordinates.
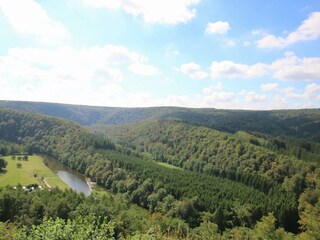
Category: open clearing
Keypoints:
(167, 165)
(32, 171)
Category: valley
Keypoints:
(179, 176)
(159, 120)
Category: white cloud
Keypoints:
(157, 11)
(212, 96)
(229, 69)
(68, 63)
(179, 101)
(209, 90)
(141, 99)
(217, 27)
(292, 68)
(271, 41)
(66, 74)
(28, 18)
(311, 91)
(193, 70)
(252, 96)
(68, 56)
(269, 87)
(279, 102)
(288, 68)
(308, 30)
(143, 69)
(216, 97)
(290, 93)
(258, 32)
(219, 97)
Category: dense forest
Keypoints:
(302, 123)
(202, 149)
(167, 179)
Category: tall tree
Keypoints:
(3, 164)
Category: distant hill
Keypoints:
(304, 123)
(90, 115)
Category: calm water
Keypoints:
(76, 183)
(73, 178)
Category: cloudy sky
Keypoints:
(240, 54)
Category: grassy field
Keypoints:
(167, 165)
(32, 171)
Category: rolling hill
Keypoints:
(228, 179)
(304, 123)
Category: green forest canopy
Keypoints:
(287, 185)
(302, 123)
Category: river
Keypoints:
(72, 178)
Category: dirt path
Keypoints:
(46, 183)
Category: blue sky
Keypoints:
(234, 54)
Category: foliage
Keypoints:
(39, 211)
(224, 182)
(300, 148)
(298, 123)
(9, 148)
(64, 140)
(59, 229)
(211, 192)
(208, 151)
(3, 164)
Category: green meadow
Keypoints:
(31, 171)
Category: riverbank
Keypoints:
(90, 184)
(70, 177)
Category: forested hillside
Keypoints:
(202, 149)
(223, 184)
(259, 161)
(297, 123)
(68, 142)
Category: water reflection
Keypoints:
(72, 178)
(77, 184)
